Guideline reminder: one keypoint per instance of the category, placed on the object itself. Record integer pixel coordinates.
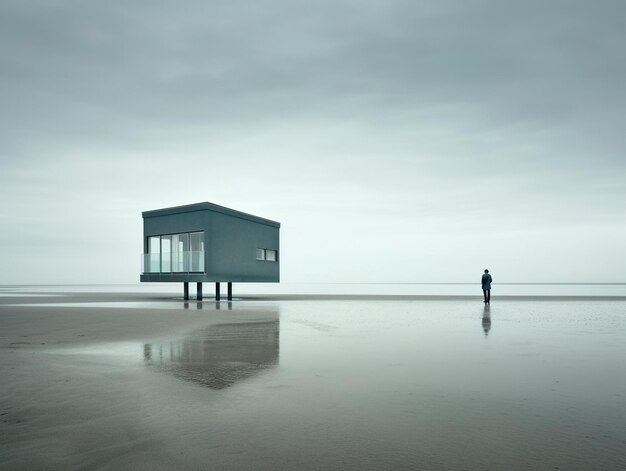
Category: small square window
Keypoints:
(270, 255)
(260, 254)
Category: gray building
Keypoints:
(205, 242)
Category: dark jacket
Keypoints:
(486, 281)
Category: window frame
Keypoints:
(189, 264)
(262, 255)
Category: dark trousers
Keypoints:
(487, 294)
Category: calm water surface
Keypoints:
(408, 385)
(367, 384)
(406, 289)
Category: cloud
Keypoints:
(482, 117)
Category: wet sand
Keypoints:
(136, 381)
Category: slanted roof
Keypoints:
(206, 206)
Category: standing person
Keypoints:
(486, 282)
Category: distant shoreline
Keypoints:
(245, 292)
(315, 283)
(425, 297)
(83, 298)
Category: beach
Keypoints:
(141, 380)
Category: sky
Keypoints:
(395, 141)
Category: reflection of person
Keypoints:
(486, 320)
(486, 282)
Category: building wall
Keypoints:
(231, 249)
(175, 223)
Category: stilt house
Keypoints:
(205, 242)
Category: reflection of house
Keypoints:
(218, 356)
(205, 242)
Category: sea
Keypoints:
(314, 376)
(345, 289)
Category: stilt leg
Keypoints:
(230, 290)
(199, 291)
(186, 290)
(217, 291)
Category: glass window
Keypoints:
(152, 261)
(180, 244)
(196, 251)
(266, 254)
(166, 254)
(178, 253)
(154, 244)
(197, 241)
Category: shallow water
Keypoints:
(332, 384)
(380, 289)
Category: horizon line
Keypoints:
(551, 283)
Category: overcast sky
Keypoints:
(412, 141)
